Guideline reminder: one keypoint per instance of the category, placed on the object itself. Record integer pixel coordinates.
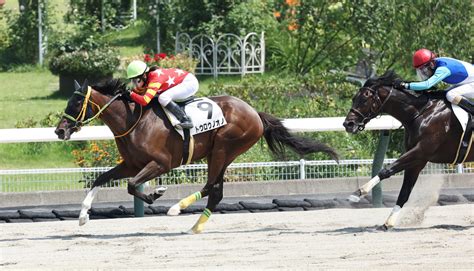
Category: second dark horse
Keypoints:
(432, 132)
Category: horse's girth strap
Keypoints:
(188, 147)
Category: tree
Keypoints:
(22, 47)
(321, 35)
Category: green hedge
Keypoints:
(309, 96)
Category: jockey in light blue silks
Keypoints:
(434, 69)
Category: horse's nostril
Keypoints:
(349, 124)
(59, 132)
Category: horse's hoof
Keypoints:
(353, 198)
(195, 230)
(174, 210)
(384, 228)
(83, 220)
(190, 231)
(161, 190)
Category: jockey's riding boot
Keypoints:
(467, 105)
(186, 122)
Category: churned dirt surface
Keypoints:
(441, 238)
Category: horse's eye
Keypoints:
(367, 94)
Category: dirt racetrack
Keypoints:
(305, 240)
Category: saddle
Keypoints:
(206, 116)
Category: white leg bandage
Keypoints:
(86, 205)
(365, 189)
(392, 218)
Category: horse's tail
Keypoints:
(277, 136)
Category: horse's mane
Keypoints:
(110, 87)
(390, 76)
(386, 79)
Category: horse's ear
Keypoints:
(84, 86)
(77, 87)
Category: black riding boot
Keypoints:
(467, 105)
(186, 122)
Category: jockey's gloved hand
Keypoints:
(400, 84)
(124, 92)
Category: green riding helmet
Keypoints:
(136, 68)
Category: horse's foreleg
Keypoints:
(150, 171)
(409, 180)
(118, 172)
(408, 159)
(86, 205)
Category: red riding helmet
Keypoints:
(422, 57)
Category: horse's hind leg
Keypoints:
(409, 180)
(218, 163)
(216, 194)
(150, 171)
(191, 199)
(118, 172)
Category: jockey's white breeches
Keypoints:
(455, 93)
(185, 89)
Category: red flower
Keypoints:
(147, 58)
(162, 55)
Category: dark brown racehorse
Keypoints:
(151, 147)
(432, 132)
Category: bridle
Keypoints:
(372, 113)
(82, 119)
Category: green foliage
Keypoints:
(309, 96)
(83, 56)
(443, 26)
(50, 120)
(203, 17)
(322, 35)
(88, 14)
(314, 35)
(20, 43)
(325, 94)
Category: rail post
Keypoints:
(377, 196)
(302, 169)
(138, 204)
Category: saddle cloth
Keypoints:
(205, 114)
(466, 139)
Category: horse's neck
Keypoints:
(404, 107)
(116, 115)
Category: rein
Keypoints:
(81, 120)
(372, 114)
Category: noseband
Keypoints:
(372, 113)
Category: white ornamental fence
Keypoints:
(226, 54)
(26, 180)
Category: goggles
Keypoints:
(137, 82)
(424, 72)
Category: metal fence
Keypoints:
(80, 178)
(226, 54)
